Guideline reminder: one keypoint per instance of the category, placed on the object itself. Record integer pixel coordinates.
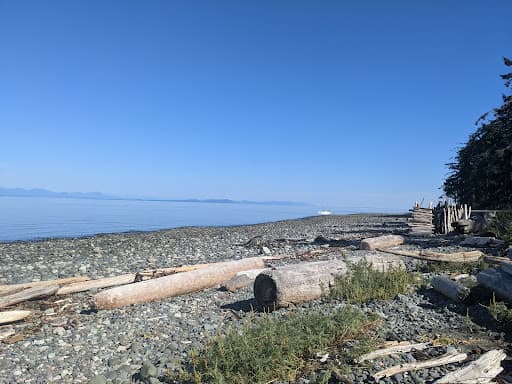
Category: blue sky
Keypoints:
(339, 103)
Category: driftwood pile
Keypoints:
(421, 222)
(446, 215)
(480, 371)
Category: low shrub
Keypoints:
(363, 284)
(273, 348)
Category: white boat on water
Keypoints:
(324, 212)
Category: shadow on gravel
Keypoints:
(90, 311)
(249, 305)
(475, 310)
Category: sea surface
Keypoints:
(28, 218)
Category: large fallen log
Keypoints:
(241, 279)
(10, 316)
(296, 283)
(127, 278)
(497, 281)
(397, 348)
(456, 257)
(451, 289)
(28, 294)
(174, 285)
(481, 371)
(481, 241)
(387, 241)
(497, 260)
(447, 358)
(13, 288)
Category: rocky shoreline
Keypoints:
(66, 341)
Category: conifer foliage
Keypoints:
(481, 174)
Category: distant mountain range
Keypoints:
(38, 192)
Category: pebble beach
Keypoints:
(67, 341)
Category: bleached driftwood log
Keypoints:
(10, 316)
(382, 263)
(97, 283)
(174, 285)
(402, 347)
(13, 288)
(28, 294)
(447, 358)
(481, 371)
(451, 289)
(7, 332)
(456, 257)
(372, 243)
(497, 281)
(475, 241)
(296, 283)
(127, 278)
(242, 279)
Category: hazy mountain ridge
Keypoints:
(40, 192)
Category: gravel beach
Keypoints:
(67, 342)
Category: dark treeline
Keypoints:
(481, 174)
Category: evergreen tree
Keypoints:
(482, 172)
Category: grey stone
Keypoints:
(60, 331)
(98, 379)
(148, 370)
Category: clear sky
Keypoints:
(339, 103)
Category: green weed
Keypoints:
(273, 348)
(363, 284)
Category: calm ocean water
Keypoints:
(24, 218)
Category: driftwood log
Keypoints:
(447, 358)
(296, 283)
(381, 263)
(126, 279)
(373, 243)
(10, 316)
(451, 289)
(497, 281)
(481, 371)
(174, 285)
(28, 294)
(242, 279)
(456, 257)
(13, 288)
(477, 241)
(5, 333)
(402, 347)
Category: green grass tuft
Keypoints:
(363, 284)
(501, 313)
(274, 348)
